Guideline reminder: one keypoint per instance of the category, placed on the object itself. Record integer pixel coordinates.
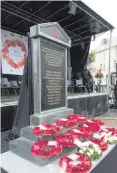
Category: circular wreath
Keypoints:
(46, 130)
(5, 53)
(109, 129)
(66, 140)
(95, 126)
(78, 133)
(100, 122)
(85, 128)
(103, 145)
(46, 149)
(78, 118)
(66, 122)
(108, 137)
(91, 150)
(75, 163)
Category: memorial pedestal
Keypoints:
(22, 146)
(49, 44)
(50, 117)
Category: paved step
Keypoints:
(49, 117)
(27, 132)
(22, 146)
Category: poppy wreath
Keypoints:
(66, 122)
(109, 129)
(88, 134)
(77, 117)
(67, 140)
(116, 132)
(103, 145)
(77, 132)
(85, 128)
(75, 163)
(91, 150)
(5, 53)
(46, 149)
(46, 130)
(103, 129)
(95, 126)
(108, 137)
(100, 122)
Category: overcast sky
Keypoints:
(106, 9)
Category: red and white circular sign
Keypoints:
(14, 52)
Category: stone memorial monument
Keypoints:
(49, 45)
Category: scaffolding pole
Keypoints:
(109, 64)
(69, 69)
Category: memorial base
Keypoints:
(22, 146)
(12, 163)
(50, 116)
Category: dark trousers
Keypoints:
(87, 84)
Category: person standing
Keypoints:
(87, 79)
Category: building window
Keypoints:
(113, 78)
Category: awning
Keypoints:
(77, 19)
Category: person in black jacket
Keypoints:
(87, 79)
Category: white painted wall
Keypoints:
(101, 62)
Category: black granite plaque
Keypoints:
(52, 75)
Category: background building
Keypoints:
(102, 59)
